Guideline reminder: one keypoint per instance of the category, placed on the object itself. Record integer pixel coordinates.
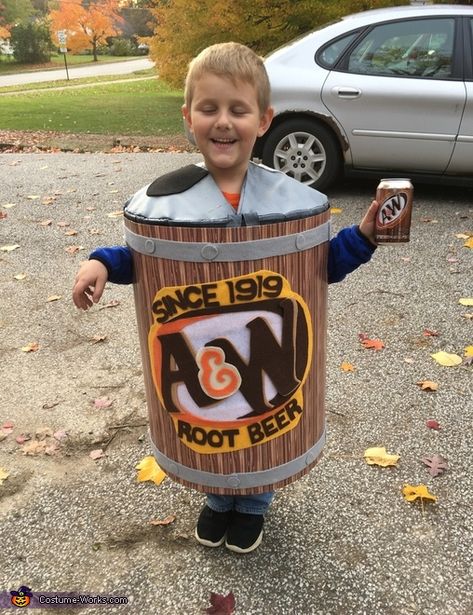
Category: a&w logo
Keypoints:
(392, 209)
(229, 359)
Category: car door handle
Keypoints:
(346, 92)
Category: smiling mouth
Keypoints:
(223, 141)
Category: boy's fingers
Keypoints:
(98, 289)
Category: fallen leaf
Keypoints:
(166, 521)
(436, 464)
(379, 456)
(430, 333)
(53, 298)
(31, 347)
(22, 438)
(347, 367)
(46, 223)
(446, 359)
(462, 236)
(60, 435)
(433, 424)
(35, 447)
(469, 243)
(468, 301)
(3, 215)
(336, 210)
(110, 304)
(73, 249)
(115, 214)
(9, 248)
(221, 605)
(63, 224)
(96, 454)
(103, 402)
(468, 316)
(374, 344)
(413, 492)
(148, 469)
(43, 432)
(32, 197)
(70, 233)
(3, 475)
(9, 205)
(8, 426)
(98, 338)
(427, 385)
(469, 351)
(20, 276)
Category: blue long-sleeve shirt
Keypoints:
(348, 250)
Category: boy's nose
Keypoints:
(223, 121)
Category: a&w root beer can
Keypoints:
(393, 220)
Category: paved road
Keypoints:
(340, 541)
(91, 70)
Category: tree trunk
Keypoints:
(94, 50)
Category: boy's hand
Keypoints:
(367, 226)
(89, 284)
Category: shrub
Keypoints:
(31, 42)
(123, 47)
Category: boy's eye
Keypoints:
(239, 111)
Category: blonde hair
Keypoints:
(232, 61)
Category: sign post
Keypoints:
(62, 38)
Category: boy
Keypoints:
(227, 106)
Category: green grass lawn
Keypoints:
(8, 64)
(129, 108)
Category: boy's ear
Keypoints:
(187, 116)
(265, 121)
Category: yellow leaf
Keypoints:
(468, 301)
(412, 492)
(54, 298)
(446, 359)
(336, 210)
(347, 367)
(31, 347)
(20, 276)
(148, 469)
(469, 351)
(32, 197)
(3, 475)
(9, 248)
(469, 243)
(380, 457)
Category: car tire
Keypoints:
(305, 150)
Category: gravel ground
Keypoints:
(340, 541)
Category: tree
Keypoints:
(31, 42)
(11, 13)
(263, 25)
(87, 27)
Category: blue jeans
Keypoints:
(256, 504)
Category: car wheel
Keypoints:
(305, 150)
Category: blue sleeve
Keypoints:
(348, 250)
(118, 262)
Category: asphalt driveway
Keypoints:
(340, 541)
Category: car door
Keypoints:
(399, 95)
(461, 162)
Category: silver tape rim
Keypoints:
(242, 480)
(204, 252)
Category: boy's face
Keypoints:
(225, 121)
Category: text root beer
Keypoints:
(393, 220)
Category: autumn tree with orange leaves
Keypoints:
(87, 27)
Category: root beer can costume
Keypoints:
(231, 310)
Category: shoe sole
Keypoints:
(208, 543)
(252, 547)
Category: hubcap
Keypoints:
(300, 155)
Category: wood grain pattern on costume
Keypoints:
(306, 272)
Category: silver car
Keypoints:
(384, 91)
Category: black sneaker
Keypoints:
(212, 527)
(245, 532)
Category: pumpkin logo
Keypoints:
(21, 597)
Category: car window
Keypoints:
(419, 48)
(329, 55)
